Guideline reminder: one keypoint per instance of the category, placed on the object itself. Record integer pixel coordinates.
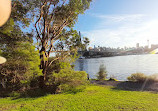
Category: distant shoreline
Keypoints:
(114, 56)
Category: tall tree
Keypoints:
(52, 18)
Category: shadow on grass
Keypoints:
(137, 86)
(128, 85)
(30, 93)
(36, 93)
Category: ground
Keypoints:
(129, 85)
(93, 98)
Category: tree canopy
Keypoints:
(51, 18)
(53, 22)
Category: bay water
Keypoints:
(120, 67)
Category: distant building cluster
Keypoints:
(126, 50)
(98, 51)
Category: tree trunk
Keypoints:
(43, 66)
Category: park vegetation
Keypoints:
(140, 77)
(93, 98)
(102, 74)
(40, 44)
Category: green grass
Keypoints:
(94, 98)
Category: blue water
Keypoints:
(120, 67)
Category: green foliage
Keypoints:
(112, 78)
(8, 27)
(69, 80)
(57, 65)
(63, 78)
(102, 74)
(93, 98)
(21, 66)
(140, 77)
(70, 39)
(18, 17)
(14, 94)
(52, 18)
(21, 12)
(22, 58)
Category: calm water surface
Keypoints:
(120, 66)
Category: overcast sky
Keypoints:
(119, 23)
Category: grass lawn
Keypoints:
(94, 98)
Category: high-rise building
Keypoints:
(148, 43)
(137, 45)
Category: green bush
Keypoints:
(68, 80)
(102, 74)
(112, 78)
(14, 94)
(21, 67)
(153, 78)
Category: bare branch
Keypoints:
(39, 19)
(53, 61)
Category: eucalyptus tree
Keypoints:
(52, 16)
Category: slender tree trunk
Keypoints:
(44, 73)
(43, 65)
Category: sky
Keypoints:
(120, 23)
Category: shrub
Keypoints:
(21, 67)
(137, 77)
(140, 77)
(102, 74)
(112, 78)
(153, 78)
(68, 80)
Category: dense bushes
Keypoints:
(69, 80)
(140, 77)
(21, 67)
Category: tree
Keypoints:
(21, 66)
(102, 74)
(86, 42)
(52, 18)
(20, 16)
(69, 43)
(17, 46)
(67, 51)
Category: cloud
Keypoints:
(120, 18)
(123, 30)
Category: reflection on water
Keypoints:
(81, 65)
(120, 66)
